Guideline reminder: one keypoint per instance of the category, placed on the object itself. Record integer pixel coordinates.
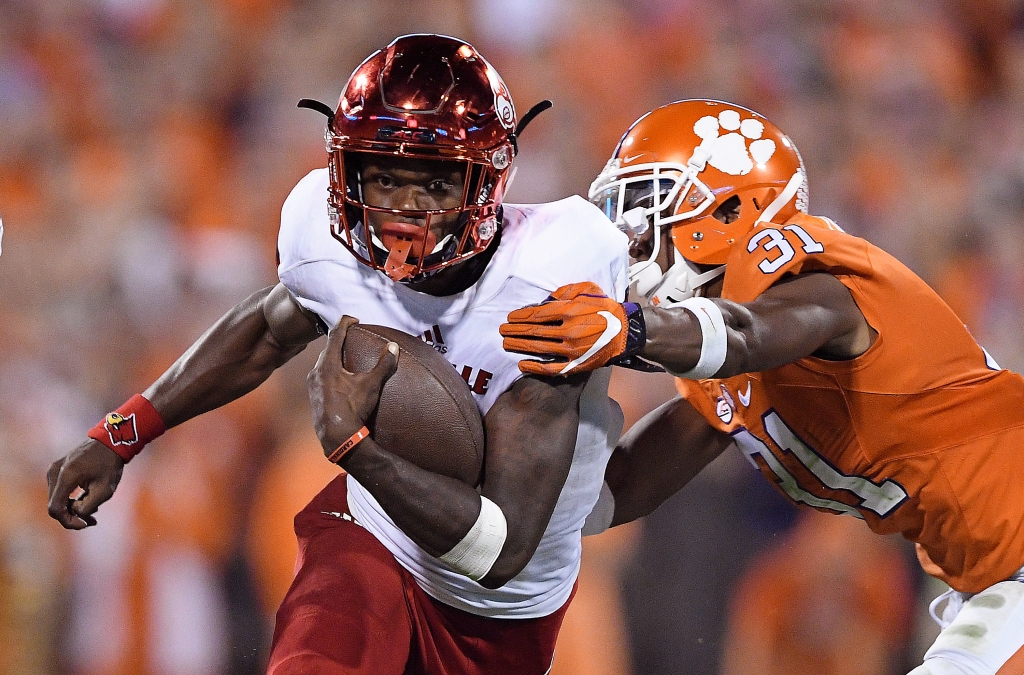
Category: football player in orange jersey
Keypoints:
(836, 371)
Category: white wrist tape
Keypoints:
(475, 554)
(714, 338)
(601, 515)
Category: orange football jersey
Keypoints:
(922, 434)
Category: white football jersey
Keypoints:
(542, 247)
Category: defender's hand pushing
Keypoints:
(577, 329)
(342, 401)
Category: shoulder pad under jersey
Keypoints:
(804, 244)
(305, 227)
(571, 241)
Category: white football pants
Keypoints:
(979, 632)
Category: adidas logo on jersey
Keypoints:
(433, 338)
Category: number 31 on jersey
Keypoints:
(779, 250)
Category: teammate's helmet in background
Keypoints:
(680, 164)
(426, 97)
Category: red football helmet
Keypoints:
(429, 98)
(709, 170)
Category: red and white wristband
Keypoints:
(347, 446)
(128, 429)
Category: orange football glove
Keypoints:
(577, 329)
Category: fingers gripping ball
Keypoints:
(426, 413)
(577, 329)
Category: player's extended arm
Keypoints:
(802, 315)
(531, 436)
(231, 359)
(658, 456)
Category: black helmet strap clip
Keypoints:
(318, 106)
(527, 118)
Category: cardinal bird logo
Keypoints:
(121, 429)
(502, 100)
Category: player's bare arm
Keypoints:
(232, 358)
(804, 315)
(658, 456)
(531, 436)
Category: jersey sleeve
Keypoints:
(575, 242)
(804, 244)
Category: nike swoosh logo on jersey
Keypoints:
(745, 397)
(612, 328)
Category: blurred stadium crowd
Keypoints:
(146, 147)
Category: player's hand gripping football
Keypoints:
(577, 329)
(94, 468)
(341, 400)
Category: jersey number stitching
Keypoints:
(881, 499)
(777, 240)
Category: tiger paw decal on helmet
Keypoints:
(708, 172)
(730, 152)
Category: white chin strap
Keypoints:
(647, 276)
(787, 194)
(646, 273)
(682, 281)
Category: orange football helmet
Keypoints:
(709, 170)
(426, 97)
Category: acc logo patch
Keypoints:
(121, 429)
(724, 410)
(727, 396)
(502, 100)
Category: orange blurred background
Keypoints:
(146, 147)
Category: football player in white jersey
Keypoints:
(401, 570)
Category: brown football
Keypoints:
(426, 414)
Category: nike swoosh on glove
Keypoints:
(577, 329)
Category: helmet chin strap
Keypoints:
(646, 273)
(787, 194)
(665, 289)
(683, 280)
